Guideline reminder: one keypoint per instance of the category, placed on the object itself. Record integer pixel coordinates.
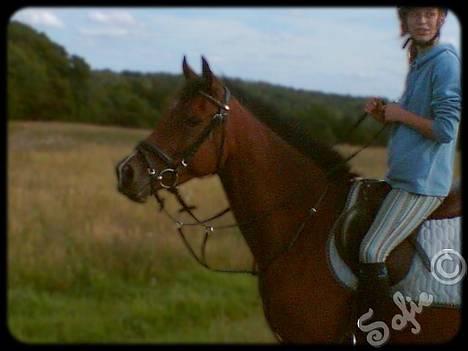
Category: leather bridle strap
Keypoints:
(222, 106)
(146, 148)
(218, 118)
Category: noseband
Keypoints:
(168, 177)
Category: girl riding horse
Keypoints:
(421, 149)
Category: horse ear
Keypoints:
(188, 72)
(206, 72)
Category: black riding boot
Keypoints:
(373, 292)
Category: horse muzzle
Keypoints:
(131, 181)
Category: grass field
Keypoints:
(86, 265)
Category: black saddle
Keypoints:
(362, 205)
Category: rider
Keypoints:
(421, 149)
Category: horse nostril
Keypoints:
(127, 174)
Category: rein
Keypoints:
(168, 179)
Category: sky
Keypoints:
(343, 50)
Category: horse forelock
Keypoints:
(191, 89)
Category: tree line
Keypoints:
(45, 82)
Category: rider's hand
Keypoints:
(376, 108)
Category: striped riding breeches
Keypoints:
(400, 213)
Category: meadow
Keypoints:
(86, 265)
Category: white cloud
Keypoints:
(355, 51)
(106, 32)
(304, 48)
(111, 23)
(112, 17)
(39, 17)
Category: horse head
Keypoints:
(188, 140)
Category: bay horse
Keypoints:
(259, 169)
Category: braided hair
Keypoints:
(402, 15)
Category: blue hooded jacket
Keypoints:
(416, 163)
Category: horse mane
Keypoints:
(288, 129)
(292, 132)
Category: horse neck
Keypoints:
(264, 174)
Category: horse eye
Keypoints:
(192, 121)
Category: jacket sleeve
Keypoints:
(446, 97)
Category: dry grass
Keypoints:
(62, 189)
(68, 225)
(74, 240)
(371, 162)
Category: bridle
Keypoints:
(168, 179)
